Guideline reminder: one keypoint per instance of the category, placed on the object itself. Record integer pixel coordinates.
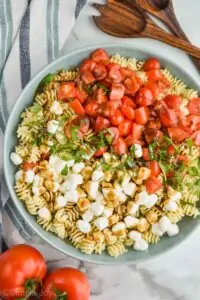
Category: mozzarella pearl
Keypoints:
(78, 167)
(52, 126)
(29, 176)
(88, 216)
(16, 159)
(97, 208)
(83, 226)
(141, 245)
(135, 235)
(56, 108)
(101, 223)
(131, 221)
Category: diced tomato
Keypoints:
(196, 137)
(155, 124)
(120, 146)
(194, 106)
(154, 88)
(173, 101)
(177, 134)
(171, 150)
(126, 72)
(112, 134)
(128, 111)
(127, 101)
(153, 134)
(117, 117)
(100, 56)
(87, 65)
(110, 108)
(100, 96)
(155, 75)
(144, 97)
(82, 122)
(81, 94)
(193, 122)
(101, 123)
(117, 91)
(77, 107)
(137, 130)
(28, 166)
(66, 90)
(132, 85)
(151, 64)
(100, 152)
(183, 158)
(91, 109)
(145, 154)
(100, 72)
(129, 140)
(152, 184)
(125, 127)
(154, 167)
(114, 74)
(87, 77)
(168, 117)
(141, 115)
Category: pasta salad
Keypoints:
(108, 154)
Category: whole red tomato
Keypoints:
(22, 268)
(66, 283)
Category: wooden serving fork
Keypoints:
(126, 20)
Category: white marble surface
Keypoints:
(175, 275)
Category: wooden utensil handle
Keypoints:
(159, 34)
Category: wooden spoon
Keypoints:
(121, 20)
(164, 10)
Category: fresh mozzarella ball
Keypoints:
(151, 200)
(164, 223)
(56, 108)
(141, 245)
(173, 230)
(177, 196)
(71, 196)
(93, 189)
(141, 198)
(131, 221)
(44, 213)
(135, 235)
(126, 179)
(108, 211)
(171, 206)
(118, 227)
(101, 223)
(70, 163)
(121, 197)
(88, 216)
(16, 159)
(129, 188)
(52, 126)
(72, 181)
(29, 176)
(56, 187)
(156, 230)
(38, 180)
(97, 208)
(100, 197)
(38, 190)
(78, 167)
(137, 150)
(19, 175)
(97, 175)
(60, 201)
(83, 226)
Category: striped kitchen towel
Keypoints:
(32, 33)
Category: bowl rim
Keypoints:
(91, 47)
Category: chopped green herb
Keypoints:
(74, 133)
(103, 87)
(88, 89)
(105, 166)
(47, 79)
(190, 142)
(64, 171)
(129, 162)
(36, 108)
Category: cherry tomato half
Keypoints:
(114, 74)
(100, 152)
(141, 115)
(117, 91)
(91, 109)
(88, 77)
(151, 64)
(128, 111)
(176, 134)
(100, 56)
(132, 85)
(154, 167)
(168, 117)
(66, 90)
(154, 88)
(137, 130)
(153, 134)
(87, 65)
(117, 118)
(100, 72)
(144, 97)
(152, 184)
(127, 101)
(125, 127)
(145, 154)
(173, 101)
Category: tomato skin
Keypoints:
(100, 72)
(87, 65)
(152, 184)
(77, 107)
(177, 134)
(151, 64)
(137, 130)
(127, 101)
(126, 72)
(66, 90)
(101, 123)
(128, 111)
(194, 106)
(141, 115)
(69, 280)
(125, 127)
(91, 109)
(154, 88)
(168, 117)
(87, 77)
(154, 167)
(145, 154)
(117, 91)
(117, 118)
(100, 56)
(17, 265)
(173, 101)
(153, 134)
(171, 150)
(119, 146)
(144, 97)
(100, 152)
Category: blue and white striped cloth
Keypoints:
(32, 33)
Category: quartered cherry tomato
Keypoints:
(128, 111)
(66, 90)
(137, 130)
(144, 97)
(154, 88)
(101, 123)
(132, 85)
(91, 109)
(100, 96)
(100, 56)
(100, 152)
(153, 134)
(145, 154)
(141, 115)
(173, 101)
(100, 72)
(81, 94)
(87, 65)
(152, 184)
(128, 101)
(194, 106)
(176, 134)
(151, 64)
(154, 167)
(117, 91)
(117, 117)
(88, 77)
(155, 75)
(125, 127)
(77, 107)
(114, 74)
(168, 117)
